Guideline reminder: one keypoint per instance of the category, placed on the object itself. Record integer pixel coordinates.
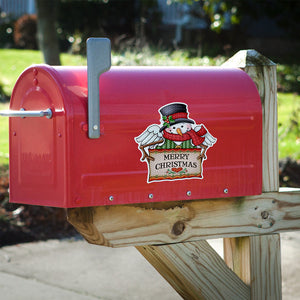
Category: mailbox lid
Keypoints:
(225, 101)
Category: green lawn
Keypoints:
(3, 137)
(13, 62)
(289, 125)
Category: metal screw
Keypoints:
(189, 193)
(150, 196)
(225, 191)
(95, 127)
(265, 215)
(111, 198)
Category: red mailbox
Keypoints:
(166, 134)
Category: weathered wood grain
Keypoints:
(239, 253)
(237, 257)
(173, 222)
(196, 271)
(256, 260)
(265, 266)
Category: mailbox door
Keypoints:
(38, 145)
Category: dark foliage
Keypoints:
(25, 223)
(289, 173)
(25, 32)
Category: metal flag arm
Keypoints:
(98, 62)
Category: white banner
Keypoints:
(170, 164)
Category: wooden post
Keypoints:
(250, 255)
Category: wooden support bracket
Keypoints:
(196, 271)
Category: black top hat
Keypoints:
(174, 113)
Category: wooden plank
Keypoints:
(240, 253)
(256, 260)
(265, 267)
(173, 222)
(237, 257)
(196, 271)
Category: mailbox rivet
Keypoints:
(189, 193)
(14, 133)
(35, 71)
(77, 200)
(95, 127)
(84, 127)
(111, 198)
(150, 196)
(225, 191)
(59, 135)
(35, 81)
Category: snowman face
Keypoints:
(180, 128)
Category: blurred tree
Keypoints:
(47, 34)
(224, 12)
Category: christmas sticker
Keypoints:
(175, 149)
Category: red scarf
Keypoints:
(196, 137)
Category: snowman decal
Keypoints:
(175, 149)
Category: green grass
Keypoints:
(289, 125)
(3, 137)
(13, 62)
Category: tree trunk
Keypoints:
(47, 34)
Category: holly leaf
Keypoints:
(171, 119)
